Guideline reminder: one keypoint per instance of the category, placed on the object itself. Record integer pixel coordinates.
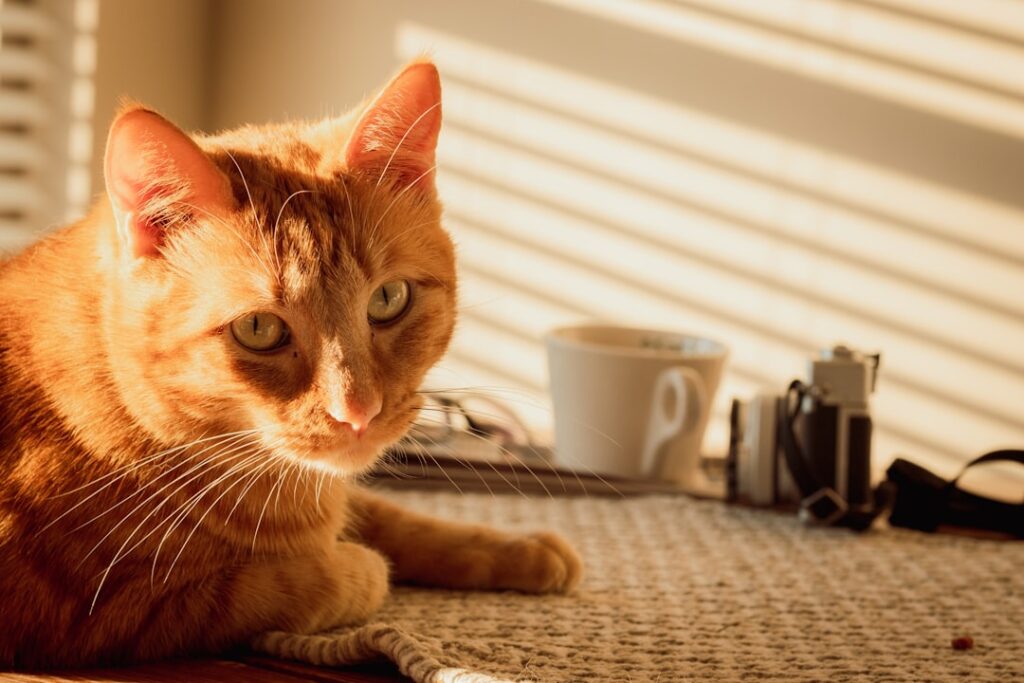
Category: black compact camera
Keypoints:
(811, 446)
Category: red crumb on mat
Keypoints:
(963, 643)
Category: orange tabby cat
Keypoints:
(191, 376)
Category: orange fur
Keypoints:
(164, 490)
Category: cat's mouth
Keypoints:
(342, 453)
(347, 460)
(342, 450)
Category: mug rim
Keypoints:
(556, 337)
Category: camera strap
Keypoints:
(819, 502)
(925, 501)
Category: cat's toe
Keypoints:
(570, 570)
(542, 562)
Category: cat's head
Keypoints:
(291, 279)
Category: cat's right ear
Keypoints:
(395, 137)
(156, 177)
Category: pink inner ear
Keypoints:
(152, 168)
(397, 135)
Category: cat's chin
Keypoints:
(351, 459)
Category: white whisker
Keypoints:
(402, 141)
(199, 522)
(277, 222)
(233, 438)
(182, 511)
(394, 201)
(263, 511)
(426, 454)
(126, 469)
(254, 477)
(120, 551)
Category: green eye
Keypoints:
(260, 331)
(388, 302)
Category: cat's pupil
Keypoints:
(260, 331)
(389, 301)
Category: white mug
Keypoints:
(632, 402)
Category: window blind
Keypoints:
(38, 74)
(23, 156)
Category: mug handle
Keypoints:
(689, 404)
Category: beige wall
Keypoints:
(778, 175)
(156, 52)
(274, 60)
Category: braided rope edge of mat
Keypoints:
(364, 644)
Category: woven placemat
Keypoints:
(684, 590)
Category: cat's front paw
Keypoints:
(360, 575)
(542, 562)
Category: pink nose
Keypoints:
(357, 415)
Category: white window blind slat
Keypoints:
(12, 235)
(21, 153)
(23, 65)
(20, 194)
(24, 19)
(22, 108)
(36, 77)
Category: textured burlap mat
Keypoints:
(684, 590)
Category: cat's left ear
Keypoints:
(396, 136)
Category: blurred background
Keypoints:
(777, 174)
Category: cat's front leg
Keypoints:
(345, 584)
(434, 552)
